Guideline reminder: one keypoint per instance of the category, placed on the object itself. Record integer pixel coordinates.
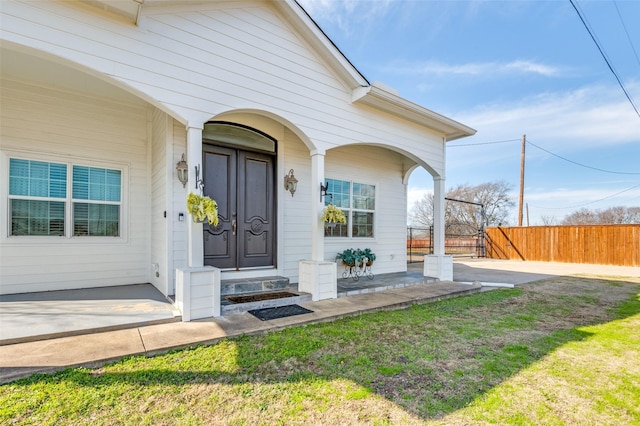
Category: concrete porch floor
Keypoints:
(50, 314)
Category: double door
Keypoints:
(241, 182)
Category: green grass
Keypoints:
(563, 351)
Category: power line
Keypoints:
(482, 143)
(590, 202)
(605, 57)
(626, 32)
(580, 164)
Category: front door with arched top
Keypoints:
(241, 182)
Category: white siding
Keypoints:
(178, 202)
(159, 185)
(384, 169)
(47, 124)
(202, 60)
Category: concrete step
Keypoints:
(228, 307)
(253, 285)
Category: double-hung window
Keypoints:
(96, 202)
(37, 197)
(358, 202)
(63, 199)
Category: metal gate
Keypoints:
(460, 240)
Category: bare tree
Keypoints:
(548, 220)
(493, 195)
(612, 215)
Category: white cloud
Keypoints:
(589, 116)
(347, 15)
(490, 69)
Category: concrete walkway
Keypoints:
(91, 350)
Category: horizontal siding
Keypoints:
(203, 60)
(384, 169)
(179, 235)
(159, 226)
(45, 123)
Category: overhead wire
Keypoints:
(615, 3)
(483, 143)
(604, 56)
(580, 164)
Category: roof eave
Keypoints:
(384, 100)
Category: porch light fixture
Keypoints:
(323, 191)
(183, 171)
(290, 182)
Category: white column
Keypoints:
(317, 227)
(438, 215)
(194, 158)
(438, 265)
(316, 276)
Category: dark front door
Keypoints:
(241, 182)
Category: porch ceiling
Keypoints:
(24, 67)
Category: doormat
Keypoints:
(259, 297)
(279, 312)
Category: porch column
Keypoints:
(438, 215)
(194, 158)
(317, 276)
(438, 265)
(317, 227)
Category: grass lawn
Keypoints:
(560, 351)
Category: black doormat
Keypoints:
(266, 314)
(259, 297)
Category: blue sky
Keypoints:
(508, 68)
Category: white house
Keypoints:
(101, 99)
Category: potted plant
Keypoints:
(332, 215)
(369, 256)
(349, 257)
(202, 208)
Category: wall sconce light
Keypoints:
(183, 171)
(290, 182)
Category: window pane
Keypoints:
(364, 196)
(340, 230)
(92, 183)
(362, 224)
(339, 190)
(34, 217)
(37, 178)
(97, 220)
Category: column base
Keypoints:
(319, 278)
(198, 292)
(439, 266)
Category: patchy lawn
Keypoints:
(560, 351)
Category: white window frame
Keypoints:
(348, 211)
(68, 237)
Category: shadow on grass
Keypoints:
(430, 359)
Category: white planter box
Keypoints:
(438, 266)
(319, 279)
(198, 292)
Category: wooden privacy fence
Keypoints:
(595, 244)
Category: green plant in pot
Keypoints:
(332, 215)
(202, 208)
(350, 257)
(369, 256)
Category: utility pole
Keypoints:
(524, 143)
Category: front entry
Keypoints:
(241, 182)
